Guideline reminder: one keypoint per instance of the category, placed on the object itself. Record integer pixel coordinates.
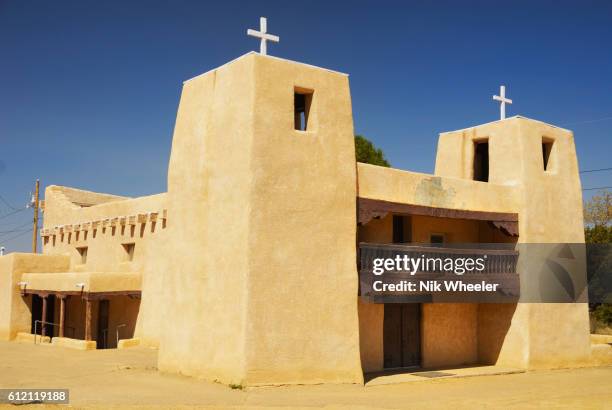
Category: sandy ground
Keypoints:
(128, 378)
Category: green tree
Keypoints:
(598, 230)
(368, 153)
(598, 218)
(598, 210)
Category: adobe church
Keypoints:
(247, 270)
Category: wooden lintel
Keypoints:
(85, 295)
(368, 209)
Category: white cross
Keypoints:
(503, 100)
(263, 27)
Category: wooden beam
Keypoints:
(43, 331)
(62, 315)
(91, 295)
(88, 303)
(368, 208)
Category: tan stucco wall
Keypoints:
(209, 177)
(494, 325)
(377, 230)
(454, 230)
(91, 281)
(449, 334)
(15, 313)
(445, 191)
(306, 180)
(371, 320)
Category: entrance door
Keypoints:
(102, 338)
(37, 308)
(402, 335)
(36, 314)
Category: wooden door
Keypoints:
(36, 314)
(103, 311)
(402, 335)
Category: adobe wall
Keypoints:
(15, 313)
(204, 285)
(440, 190)
(302, 310)
(449, 334)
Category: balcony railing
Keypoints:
(498, 266)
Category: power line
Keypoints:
(15, 237)
(12, 213)
(5, 224)
(596, 170)
(593, 189)
(16, 228)
(7, 203)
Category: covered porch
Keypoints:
(424, 330)
(99, 308)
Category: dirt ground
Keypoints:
(128, 378)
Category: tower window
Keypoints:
(82, 254)
(129, 251)
(546, 150)
(481, 161)
(302, 99)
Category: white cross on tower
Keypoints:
(503, 101)
(263, 27)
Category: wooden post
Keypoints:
(43, 331)
(35, 229)
(62, 314)
(88, 319)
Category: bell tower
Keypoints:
(540, 161)
(262, 189)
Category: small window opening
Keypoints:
(302, 100)
(546, 150)
(129, 251)
(83, 254)
(402, 229)
(436, 239)
(481, 161)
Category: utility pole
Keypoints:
(35, 228)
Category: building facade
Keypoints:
(246, 270)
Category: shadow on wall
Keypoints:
(493, 324)
(443, 335)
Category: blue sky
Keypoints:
(89, 90)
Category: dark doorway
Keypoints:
(481, 161)
(103, 310)
(402, 335)
(402, 229)
(37, 307)
(36, 314)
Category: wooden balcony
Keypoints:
(500, 269)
